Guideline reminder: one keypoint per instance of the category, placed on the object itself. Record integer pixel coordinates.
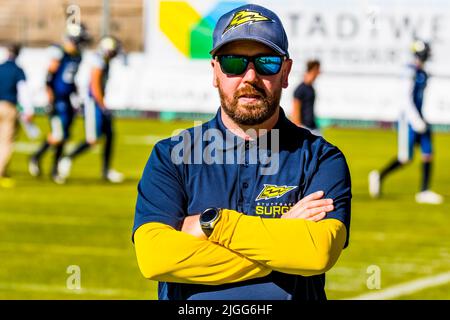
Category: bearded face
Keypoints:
(250, 105)
(249, 99)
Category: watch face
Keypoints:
(208, 215)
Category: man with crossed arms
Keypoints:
(226, 231)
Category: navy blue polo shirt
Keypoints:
(301, 164)
(10, 75)
(307, 96)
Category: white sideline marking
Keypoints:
(407, 288)
(58, 220)
(30, 147)
(26, 147)
(143, 140)
(34, 287)
(64, 249)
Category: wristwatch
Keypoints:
(209, 218)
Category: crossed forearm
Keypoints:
(240, 248)
(295, 246)
(165, 254)
(298, 243)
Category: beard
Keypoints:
(251, 113)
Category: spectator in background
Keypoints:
(304, 98)
(12, 88)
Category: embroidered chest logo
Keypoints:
(271, 191)
(245, 16)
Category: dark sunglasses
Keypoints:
(265, 65)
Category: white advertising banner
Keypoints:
(363, 45)
(364, 48)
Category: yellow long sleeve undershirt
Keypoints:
(295, 246)
(165, 254)
(240, 248)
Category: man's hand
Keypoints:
(50, 95)
(27, 117)
(191, 225)
(312, 207)
(106, 112)
(419, 126)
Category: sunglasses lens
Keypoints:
(233, 65)
(268, 65)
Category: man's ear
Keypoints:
(214, 65)
(287, 66)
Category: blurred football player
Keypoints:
(60, 84)
(413, 129)
(13, 89)
(98, 118)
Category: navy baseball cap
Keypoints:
(251, 22)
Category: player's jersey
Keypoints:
(63, 83)
(102, 64)
(169, 191)
(420, 83)
(412, 127)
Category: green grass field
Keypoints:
(45, 228)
